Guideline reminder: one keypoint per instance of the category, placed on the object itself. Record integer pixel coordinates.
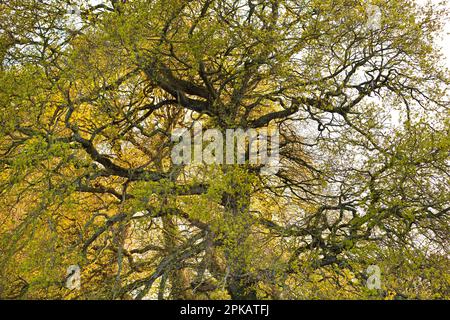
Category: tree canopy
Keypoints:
(90, 93)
